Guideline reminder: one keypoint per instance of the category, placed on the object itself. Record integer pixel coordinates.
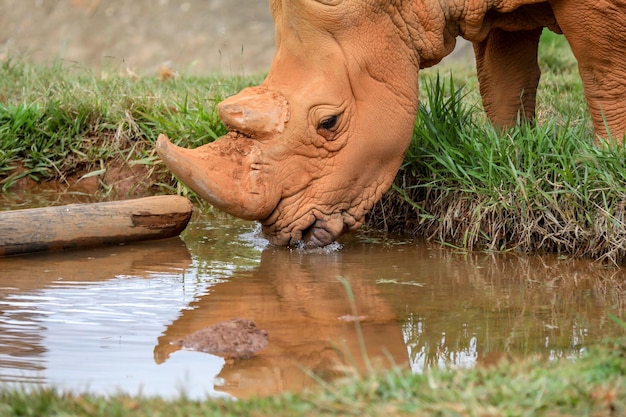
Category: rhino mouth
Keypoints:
(313, 230)
(316, 236)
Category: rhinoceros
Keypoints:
(317, 144)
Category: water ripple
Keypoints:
(69, 332)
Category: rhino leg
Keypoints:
(595, 31)
(508, 74)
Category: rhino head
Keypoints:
(317, 144)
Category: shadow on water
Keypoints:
(103, 319)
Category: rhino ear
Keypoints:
(256, 112)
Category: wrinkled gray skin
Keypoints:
(314, 146)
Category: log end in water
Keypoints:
(97, 224)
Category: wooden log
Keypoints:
(97, 224)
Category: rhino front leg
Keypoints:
(508, 74)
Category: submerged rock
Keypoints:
(233, 339)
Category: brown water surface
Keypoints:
(103, 319)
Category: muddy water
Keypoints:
(103, 320)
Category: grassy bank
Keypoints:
(64, 123)
(542, 187)
(537, 188)
(593, 385)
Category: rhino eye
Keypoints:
(329, 123)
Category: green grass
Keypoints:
(594, 385)
(61, 120)
(538, 187)
(542, 187)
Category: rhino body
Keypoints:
(317, 144)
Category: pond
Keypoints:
(103, 320)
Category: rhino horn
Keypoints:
(224, 173)
(256, 112)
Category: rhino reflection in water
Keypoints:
(314, 146)
(309, 320)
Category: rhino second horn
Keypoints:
(256, 112)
